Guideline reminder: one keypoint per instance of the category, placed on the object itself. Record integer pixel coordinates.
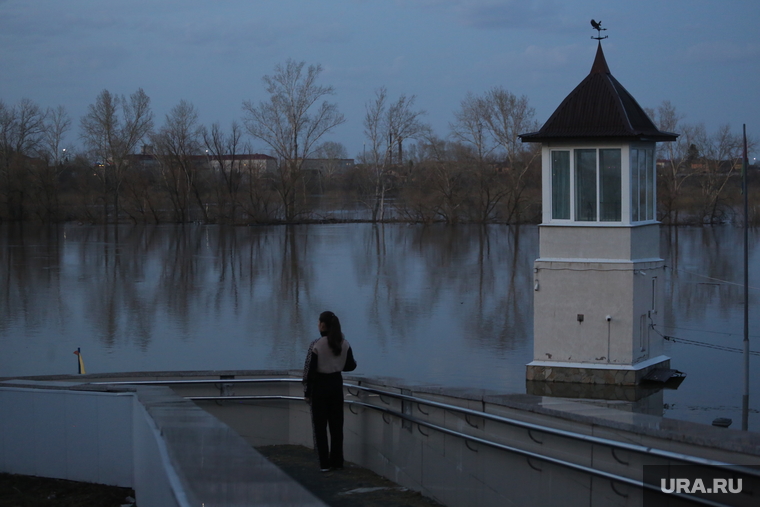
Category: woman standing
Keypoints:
(327, 357)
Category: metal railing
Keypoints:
(530, 427)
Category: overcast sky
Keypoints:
(702, 55)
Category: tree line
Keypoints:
(699, 174)
(480, 172)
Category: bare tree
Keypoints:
(178, 146)
(223, 151)
(720, 161)
(444, 179)
(678, 159)
(386, 126)
(473, 129)
(471, 126)
(45, 176)
(332, 154)
(507, 116)
(291, 122)
(143, 193)
(331, 150)
(402, 123)
(21, 132)
(500, 165)
(57, 123)
(112, 129)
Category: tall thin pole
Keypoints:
(745, 191)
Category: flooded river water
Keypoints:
(446, 305)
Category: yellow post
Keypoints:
(80, 361)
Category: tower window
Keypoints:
(585, 185)
(588, 183)
(609, 185)
(561, 185)
(643, 198)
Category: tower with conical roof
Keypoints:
(599, 275)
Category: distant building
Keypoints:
(328, 166)
(243, 162)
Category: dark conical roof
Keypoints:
(599, 107)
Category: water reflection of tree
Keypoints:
(29, 258)
(508, 323)
(107, 276)
(264, 286)
(503, 305)
(138, 284)
(422, 273)
(190, 275)
(373, 268)
(289, 307)
(703, 292)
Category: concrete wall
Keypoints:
(79, 436)
(148, 438)
(178, 454)
(459, 473)
(262, 422)
(596, 290)
(596, 273)
(607, 242)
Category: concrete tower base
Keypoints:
(589, 373)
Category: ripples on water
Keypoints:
(448, 305)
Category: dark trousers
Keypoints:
(327, 410)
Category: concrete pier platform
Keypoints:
(238, 438)
(351, 486)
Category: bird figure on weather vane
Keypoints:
(597, 25)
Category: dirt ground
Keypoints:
(26, 491)
(350, 487)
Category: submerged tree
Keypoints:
(440, 184)
(386, 126)
(177, 145)
(45, 186)
(223, 152)
(112, 129)
(291, 122)
(21, 132)
(501, 167)
(470, 126)
(720, 161)
(679, 159)
(57, 123)
(507, 116)
(487, 186)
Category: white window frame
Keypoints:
(651, 203)
(625, 185)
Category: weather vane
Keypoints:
(598, 27)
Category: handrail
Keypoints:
(516, 450)
(196, 381)
(453, 408)
(246, 398)
(565, 433)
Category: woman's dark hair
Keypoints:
(334, 334)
